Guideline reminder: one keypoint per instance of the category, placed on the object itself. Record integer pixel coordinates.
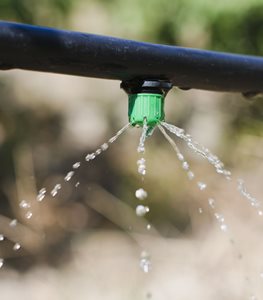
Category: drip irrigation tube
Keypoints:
(50, 50)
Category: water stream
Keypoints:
(141, 194)
(220, 169)
(200, 184)
(42, 194)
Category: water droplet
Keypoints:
(1, 262)
(104, 147)
(243, 191)
(145, 262)
(223, 227)
(90, 157)
(55, 190)
(189, 137)
(141, 161)
(227, 174)
(180, 156)
(211, 202)
(141, 210)
(98, 152)
(76, 165)
(198, 148)
(260, 213)
(41, 194)
(185, 165)
(1, 237)
(148, 227)
(16, 247)
(190, 175)
(200, 210)
(69, 176)
(113, 139)
(77, 184)
(201, 186)
(24, 204)
(13, 223)
(141, 194)
(219, 217)
(141, 166)
(142, 169)
(141, 149)
(29, 215)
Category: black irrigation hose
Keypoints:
(57, 51)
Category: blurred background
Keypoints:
(85, 243)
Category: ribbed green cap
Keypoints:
(146, 105)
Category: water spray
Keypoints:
(146, 100)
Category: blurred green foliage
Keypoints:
(44, 12)
(234, 26)
(242, 32)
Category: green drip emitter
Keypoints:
(146, 100)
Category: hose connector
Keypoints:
(146, 100)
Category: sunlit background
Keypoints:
(86, 242)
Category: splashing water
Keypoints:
(56, 189)
(43, 191)
(252, 200)
(201, 185)
(219, 167)
(90, 156)
(199, 149)
(190, 175)
(221, 220)
(141, 166)
(24, 204)
(145, 262)
(211, 202)
(76, 165)
(200, 210)
(77, 184)
(141, 194)
(16, 246)
(141, 147)
(41, 194)
(142, 210)
(106, 145)
(69, 176)
(185, 164)
(29, 215)
(211, 158)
